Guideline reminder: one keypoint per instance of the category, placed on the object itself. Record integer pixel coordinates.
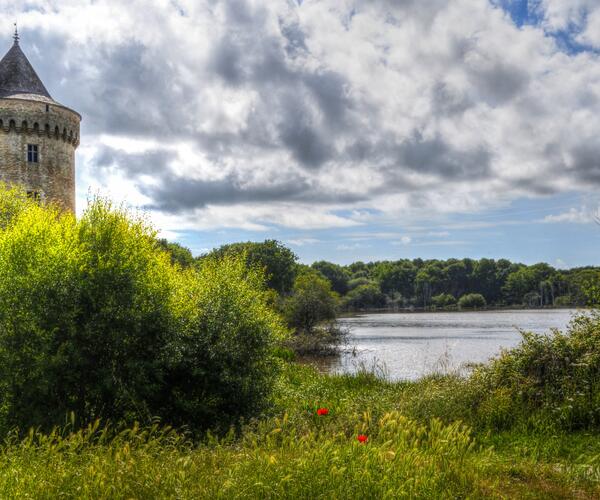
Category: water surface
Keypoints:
(410, 345)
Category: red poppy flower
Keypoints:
(362, 438)
(322, 411)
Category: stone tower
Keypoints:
(38, 136)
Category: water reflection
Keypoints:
(410, 345)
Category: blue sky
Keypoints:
(347, 129)
(517, 232)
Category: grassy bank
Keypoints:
(417, 447)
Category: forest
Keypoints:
(417, 283)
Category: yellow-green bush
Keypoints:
(95, 320)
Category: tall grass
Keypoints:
(401, 458)
(505, 432)
(297, 454)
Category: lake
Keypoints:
(410, 345)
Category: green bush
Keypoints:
(443, 300)
(271, 257)
(223, 363)
(556, 375)
(564, 300)
(95, 320)
(364, 297)
(472, 301)
(356, 282)
(336, 275)
(179, 254)
(311, 302)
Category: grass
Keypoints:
(418, 447)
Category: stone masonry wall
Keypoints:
(55, 129)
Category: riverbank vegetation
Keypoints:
(129, 371)
(524, 426)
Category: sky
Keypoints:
(346, 129)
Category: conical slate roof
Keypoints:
(18, 79)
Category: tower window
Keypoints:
(32, 153)
(47, 108)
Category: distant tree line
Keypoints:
(468, 283)
(419, 283)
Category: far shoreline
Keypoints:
(420, 310)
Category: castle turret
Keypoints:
(38, 136)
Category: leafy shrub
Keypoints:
(443, 300)
(323, 341)
(311, 302)
(271, 257)
(472, 301)
(94, 319)
(222, 364)
(365, 296)
(563, 300)
(356, 282)
(336, 275)
(179, 254)
(556, 375)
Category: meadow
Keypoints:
(416, 448)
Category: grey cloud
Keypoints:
(537, 186)
(435, 156)
(227, 62)
(329, 90)
(176, 193)
(586, 164)
(448, 101)
(153, 162)
(295, 37)
(306, 145)
(499, 82)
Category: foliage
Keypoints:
(178, 253)
(311, 302)
(414, 283)
(322, 341)
(589, 287)
(337, 275)
(556, 374)
(276, 260)
(397, 278)
(472, 301)
(443, 300)
(221, 366)
(365, 296)
(522, 284)
(95, 320)
(356, 282)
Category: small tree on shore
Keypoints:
(312, 302)
(472, 301)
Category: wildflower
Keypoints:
(322, 411)
(362, 438)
